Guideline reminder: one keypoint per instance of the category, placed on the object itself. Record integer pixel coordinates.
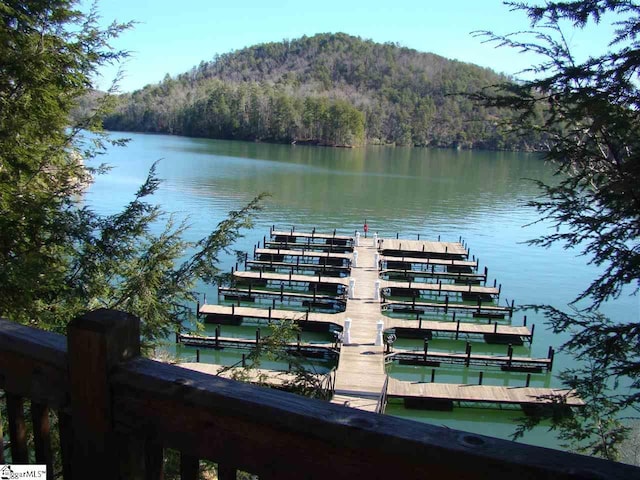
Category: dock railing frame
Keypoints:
(117, 412)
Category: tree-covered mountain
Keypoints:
(330, 89)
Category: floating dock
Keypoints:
(448, 284)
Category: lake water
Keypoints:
(479, 196)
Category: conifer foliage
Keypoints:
(589, 112)
(58, 257)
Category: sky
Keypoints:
(173, 36)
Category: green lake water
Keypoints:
(480, 196)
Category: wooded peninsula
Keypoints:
(328, 89)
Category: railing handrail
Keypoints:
(382, 401)
(263, 431)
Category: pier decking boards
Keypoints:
(441, 288)
(423, 248)
(288, 252)
(448, 392)
(430, 261)
(288, 278)
(448, 284)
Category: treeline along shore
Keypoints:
(329, 89)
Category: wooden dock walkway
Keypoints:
(447, 392)
(361, 376)
(216, 312)
(297, 267)
(312, 235)
(250, 293)
(315, 350)
(291, 278)
(441, 288)
(288, 252)
(479, 309)
(386, 258)
(412, 275)
(415, 328)
(261, 376)
(505, 362)
(505, 333)
(423, 248)
(313, 246)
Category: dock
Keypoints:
(361, 377)
(290, 278)
(446, 393)
(232, 314)
(447, 284)
(288, 252)
(422, 248)
(440, 288)
(386, 258)
(312, 350)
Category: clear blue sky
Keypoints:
(173, 36)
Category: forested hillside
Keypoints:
(329, 89)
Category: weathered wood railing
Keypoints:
(118, 411)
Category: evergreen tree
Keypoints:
(58, 257)
(588, 112)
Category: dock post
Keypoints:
(426, 348)
(495, 327)
(376, 290)
(257, 339)
(528, 379)
(198, 309)
(355, 259)
(233, 312)
(510, 353)
(454, 316)
(177, 337)
(244, 360)
(446, 304)
(533, 329)
(525, 321)
(457, 329)
(439, 287)
(298, 341)
(352, 288)
(419, 322)
(433, 375)
(346, 333)
(357, 242)
(198, 355)
(468, 352)
(480, 375)
(376, 261)
(552, 354)
(218, 337)
(269, 314)
(511, 311)
(397, 235)
(281, 292)
(379, 328)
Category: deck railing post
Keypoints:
(97, 342)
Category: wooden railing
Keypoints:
(118, 411)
